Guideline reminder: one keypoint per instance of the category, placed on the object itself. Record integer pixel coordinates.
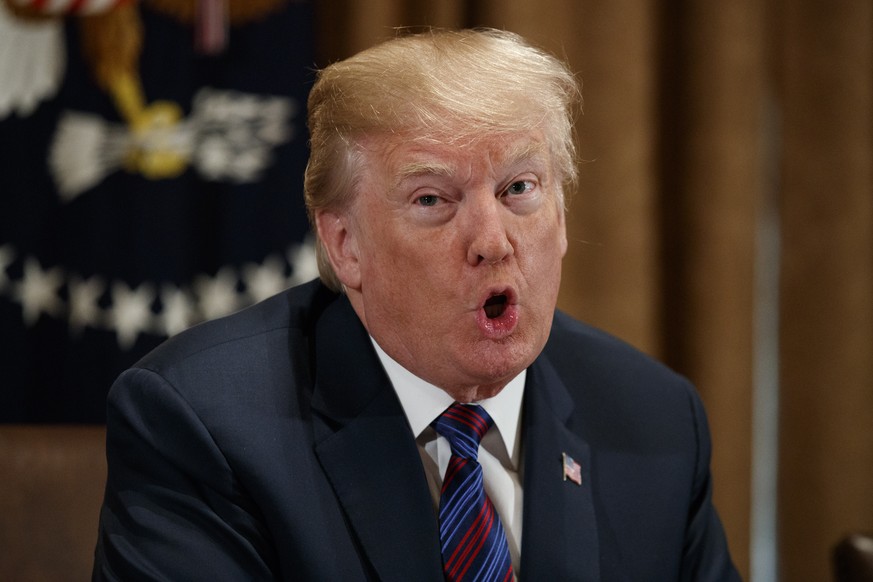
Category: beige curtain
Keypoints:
(705, 122)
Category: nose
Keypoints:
(488, 231)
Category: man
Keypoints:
(332, 432)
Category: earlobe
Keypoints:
(339, 242)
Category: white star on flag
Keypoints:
(131, 312)
(178, 310)
(217, 294)
(305, 264)
(265, 280)
(84, 310)
(38, 291)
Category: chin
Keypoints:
(498, 367)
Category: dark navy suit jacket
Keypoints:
(271, 445)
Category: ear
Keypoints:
(562, 225)
(338, 238)
(562, 222)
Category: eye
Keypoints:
(520, 187)
(427, 200)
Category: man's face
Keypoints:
(454, 257)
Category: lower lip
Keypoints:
(498, 327)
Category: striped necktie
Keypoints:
(473, 542)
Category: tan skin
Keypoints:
(436, 234)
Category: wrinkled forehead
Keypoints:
(400, 157)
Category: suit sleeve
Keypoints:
(705, 553)
(173, 508)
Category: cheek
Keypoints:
(548, 244)
(396, 276)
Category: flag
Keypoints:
(134, 209)
(572, 470)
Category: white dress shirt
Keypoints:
(499, 452)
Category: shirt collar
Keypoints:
(422, 402)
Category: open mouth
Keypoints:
(498, 317)
(495, 306)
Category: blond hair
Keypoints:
(447, 86)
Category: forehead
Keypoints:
(399, 159)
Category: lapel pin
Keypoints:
(572, 470)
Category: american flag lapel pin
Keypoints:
(572, 470)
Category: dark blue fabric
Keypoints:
(271, 445)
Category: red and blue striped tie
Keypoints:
(473, 542)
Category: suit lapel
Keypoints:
(559, 539)
(369, 454)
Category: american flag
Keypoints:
(572, 470)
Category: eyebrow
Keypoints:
(518, 153)
(426, 168)
(420, 169)
(522, 152)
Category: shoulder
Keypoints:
(291, 313)
(576, 345)
(253, 355)
(610, 380)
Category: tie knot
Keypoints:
(463, 425)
